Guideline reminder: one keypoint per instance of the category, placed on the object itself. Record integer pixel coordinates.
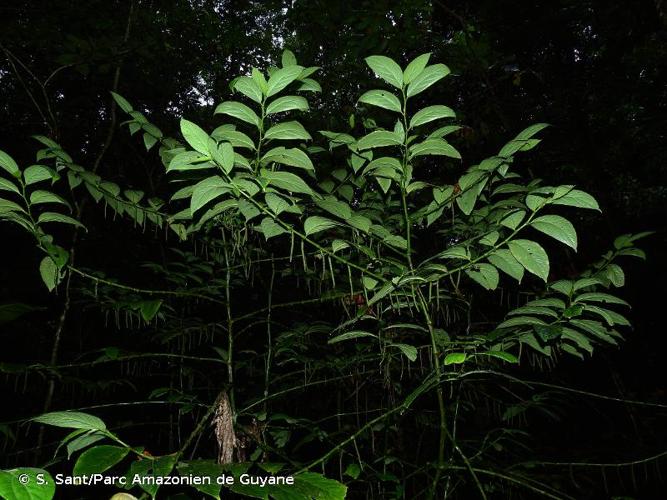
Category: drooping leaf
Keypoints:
(195, 136)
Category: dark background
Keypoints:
(595, 70)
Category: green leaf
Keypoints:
(505, 356)
(39, 485)
(315, 224)
(49, 272)
(574, 198)
(7, 185)
(287, 103)
(7, 206)
(287, 131)
(236, 138)
(282, 78)
(558, 228)
(206, 191)
(455, 358)
(8, 163)
(309, 85)
(352, 470)
(237, 110)
(99, 459)
(335, 207)
(38, 173)
(355, 334)
(383, 99)
(408, 351)
(196, 137)
(434, 146)
(293, 157)
(531, 256)
(122, 102)
(224, 155)
(56, 217)
(426, 78)
(378, 139)
(513, 220)
(387, 69)
(605, 298)
(415, 67)
(271, 228)
(71, 420)
(249, 88)
(149, 308)
(39, 196)
(288, 58)
(83, 441)
(430, 114)
(287, 181)
(484, 274)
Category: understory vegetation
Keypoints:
(412, 293)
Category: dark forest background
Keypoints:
(595, 70)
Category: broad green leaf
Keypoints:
(353, 471)
(529, 132)
(122, 102)
(605, 298)
(224, 155)
(7, 185)
(83, 441)
(434, 146)
(260, 80)
(335, 207)
(288, 131)
(385, 163)
(207, 190)
(443, 131)
(40, 196)
(531, 256)
(575, 198)
(315, 224)
(149, 308)
(288, 58)
(513, 220)
(427, 77)
(387, 69)
(408, 351)
(287, 103)
(355, 334)
(271, 228)
(49, 272)
(56, 217)
(377, 139)
(71, 420)
(293, 157)
(287, 181)
(484, 274)
(430, 114)
(558, 228)
(505, 356)
(234, 137)
(38, 173)
(195, 136)
(249, 88)
(309, 85)
(237, 110)
(455, 358)
(38, 486)
(383, 99)
(282, 78)
(415, 67)
(99, 459)
(521, 321)
(8, 163)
